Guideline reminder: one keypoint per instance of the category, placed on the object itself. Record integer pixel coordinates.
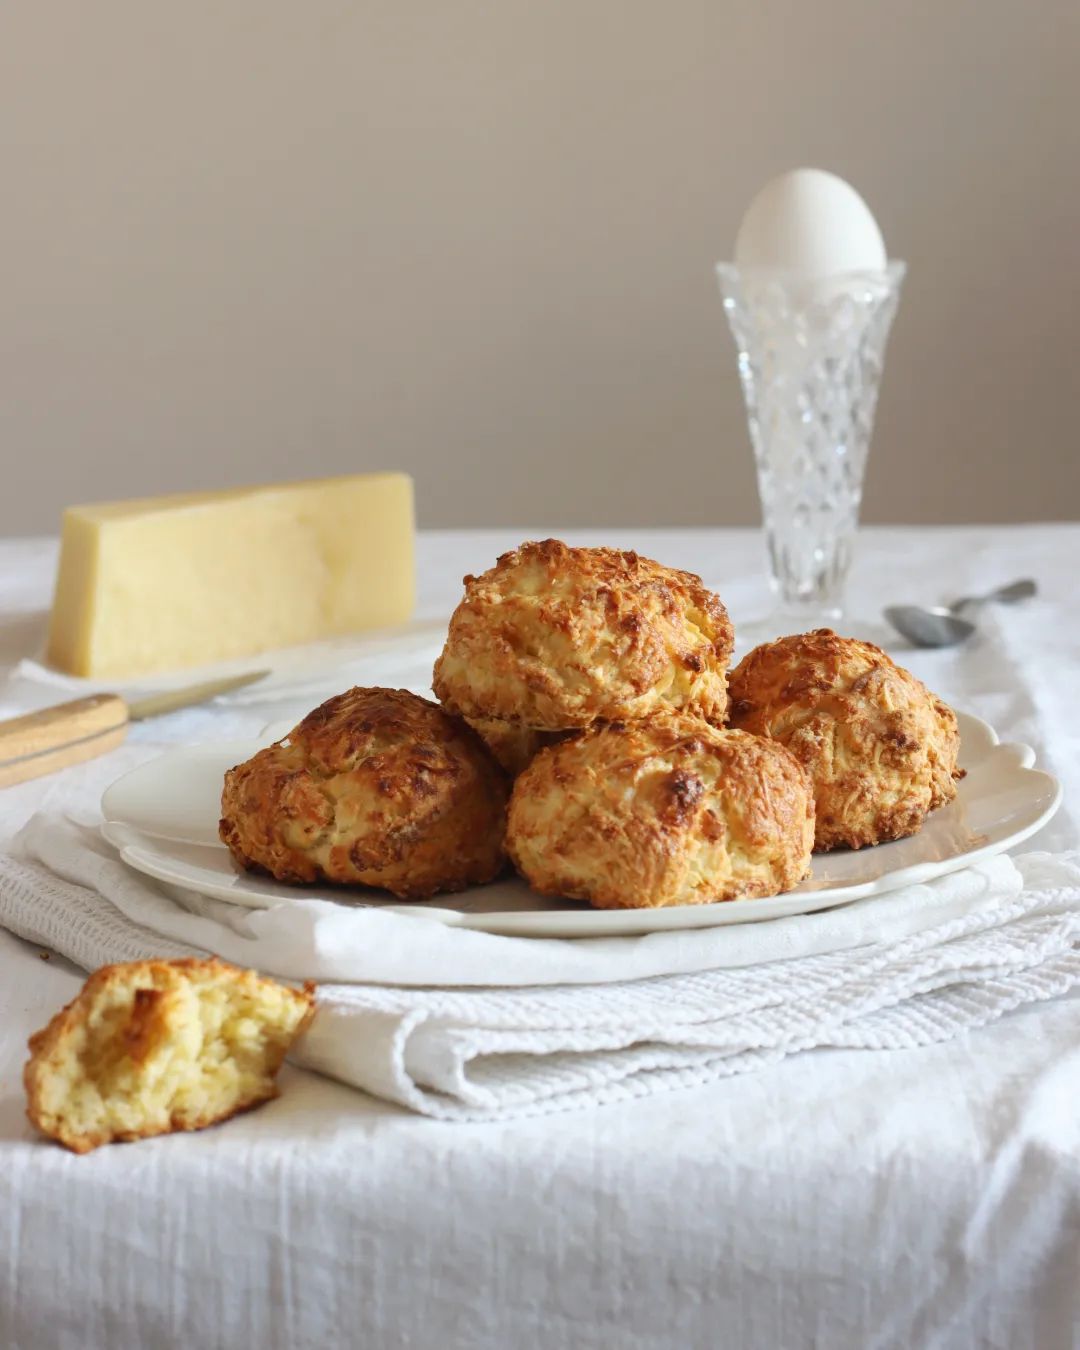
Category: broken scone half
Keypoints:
(149, 1047)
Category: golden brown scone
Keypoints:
(512, 744)
(665, 810)
(880, 748)
(151, 1047)
(377, 787)
(555, 638)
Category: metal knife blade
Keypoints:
(154, 705)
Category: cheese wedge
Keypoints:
(184, 580)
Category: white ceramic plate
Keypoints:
(163, 819)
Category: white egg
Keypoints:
(809, 223)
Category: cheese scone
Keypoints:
(879, 747)
(377, 787)
(664, 810)
(554, 638)
(151, 1047)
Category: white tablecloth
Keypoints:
(845, 1199)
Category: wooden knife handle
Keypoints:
(54, 738)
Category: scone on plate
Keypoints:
(555, 638)
(150, 1047)
(665, 810)
(880, 748)
(377, 787)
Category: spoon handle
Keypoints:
(1005, 595)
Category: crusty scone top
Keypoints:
(556, 637)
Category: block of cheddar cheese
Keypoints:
(184, 580)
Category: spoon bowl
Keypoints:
(935, 626)
(929, 626)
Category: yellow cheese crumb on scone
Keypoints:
(665, 810)
(879, 747)
(152, 1047)
(554, 638)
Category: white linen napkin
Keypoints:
(586, 1021)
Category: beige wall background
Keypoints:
(251, 239)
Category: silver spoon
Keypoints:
(940, 627)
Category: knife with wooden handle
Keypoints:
(70, 733)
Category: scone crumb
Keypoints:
(151, 1047)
